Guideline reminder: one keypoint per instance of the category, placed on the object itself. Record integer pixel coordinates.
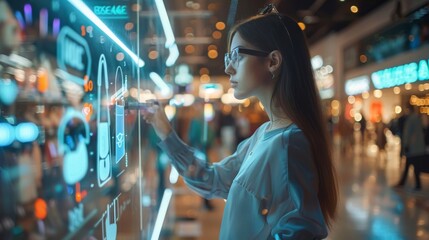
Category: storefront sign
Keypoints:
(357, 85)
(399, 75)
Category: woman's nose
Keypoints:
(229, 69)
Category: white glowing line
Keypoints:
(165, 23)
(118, 94)
(161, 213)
(174, 54)
(158, 81)
(174, 175)
(86, 11)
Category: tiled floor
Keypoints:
(369, 208)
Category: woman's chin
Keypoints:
(239, 96)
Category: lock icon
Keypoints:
(104, 164)
(120, 118)
(75, 162)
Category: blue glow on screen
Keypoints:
(7, 134)
(26, 132)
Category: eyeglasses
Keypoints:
(232, 57)
(271, 8)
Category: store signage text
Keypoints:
(357, 85)
(111, 11)
(399, 75)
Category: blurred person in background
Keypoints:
(201, 136)
(280, 183)
(10, 33)
(413, 143)
(345, 128)
(362, 128)
(380, 139)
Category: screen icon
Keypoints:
(120, 118)
(73, 146)
(104, 165)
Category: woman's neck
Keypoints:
(277, 116)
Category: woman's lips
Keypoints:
(233, 84)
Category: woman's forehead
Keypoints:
(238, 41)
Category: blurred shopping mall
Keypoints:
(77, 160)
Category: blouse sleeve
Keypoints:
(208, 180)
(299, 216)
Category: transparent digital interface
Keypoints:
(69, 150)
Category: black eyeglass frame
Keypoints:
(252, 52)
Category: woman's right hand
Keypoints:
(156, 116)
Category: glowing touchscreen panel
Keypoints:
(71, 157)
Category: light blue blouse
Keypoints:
(270, 184)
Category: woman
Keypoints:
(280, 183)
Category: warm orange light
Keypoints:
(82, 31)
(120, 56)
(87, 111)
(301, 25)
(189, 49)
(354, 9)
(212, 54)
(217, 35)
(129, 26)
(212, 6)
(153, 54)
(205, 78)
(136, 7)
(40, 209)
(220, 25)
(42, 80)
(78, 193)
(212, 47)
(204, 71)
(363, 58)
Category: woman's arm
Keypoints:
(208, 180)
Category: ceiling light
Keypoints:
(217, 35)
(354, 9)
(220, 25)
(189, 49)
(301, 25)
(212, 54)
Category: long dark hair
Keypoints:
(296, 93)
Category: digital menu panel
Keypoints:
(70, 152)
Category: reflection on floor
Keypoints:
(370, 207)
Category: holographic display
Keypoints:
(73, 155)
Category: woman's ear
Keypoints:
(275, 62)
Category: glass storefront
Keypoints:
(406, 34)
